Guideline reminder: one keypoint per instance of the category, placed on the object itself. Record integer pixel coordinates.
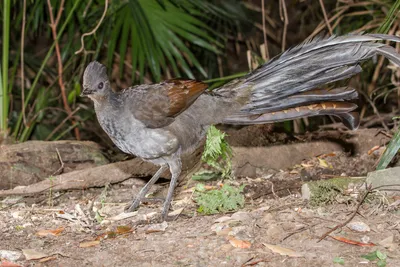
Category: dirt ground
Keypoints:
(276, 227)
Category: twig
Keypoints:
(286, 22)
(322, 25)
(302, 229)
(22, 64)
(62, 123)
(266, 53)
(53, 26)
(60, 12)
(326, 17)
(349, 219)
(94, 30)
(272, 190)
(375, 110)
(87, 8)
(250, 262)
(61, 169)
(377, 70)
(355, 212)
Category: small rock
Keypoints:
(388, 243)
(359, 227)
(241, 216)
(18, 214)
(386, 177)
(365, 239)
(10, 255)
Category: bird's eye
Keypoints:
(101, 85)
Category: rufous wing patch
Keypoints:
(182, 93)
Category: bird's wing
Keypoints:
(157, 105)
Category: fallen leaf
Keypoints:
(159, 227)
(89, 244)
(324, 164)
(332, 154)
(123, 229)
(106, 235)
(55, 232)
(123, 215)
(284, 251)
(175, 212)
(31, 254)
(223, 219)
(307, 165)
(239, 243)
(9, 264)
(182, 202)
(352, 242)
(389, 243)
(373, 149)
(48, 259)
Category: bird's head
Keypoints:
(95, 81)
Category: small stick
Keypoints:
(355, 212)
(326, 17)
(348, 220)
(22, 64)
(94, 30)
(286, 22)
(53, 26)
(61, 169)
(264, 32)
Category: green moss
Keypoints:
(326, 191)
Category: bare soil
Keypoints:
(274, 214)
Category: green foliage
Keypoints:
(152, 39)
(4, 99)
(205, 175)
(227, 198)
(157, 34)
(390, 18)
(378, 256)
(217, 152)
(390, 151)
(338, 260)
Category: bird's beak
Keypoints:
(86, 92)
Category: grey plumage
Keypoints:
(162, 122)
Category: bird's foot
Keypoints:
(133, 206)
(136, 202)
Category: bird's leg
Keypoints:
(135, 203)
(175, 168)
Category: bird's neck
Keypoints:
(109, 101)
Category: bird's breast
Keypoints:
(132, 137)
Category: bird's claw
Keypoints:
(136, 202)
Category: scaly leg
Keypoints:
(135, 203)
(175, 168)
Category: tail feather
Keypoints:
(289, 81)
(339, 109)
(305, 98)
